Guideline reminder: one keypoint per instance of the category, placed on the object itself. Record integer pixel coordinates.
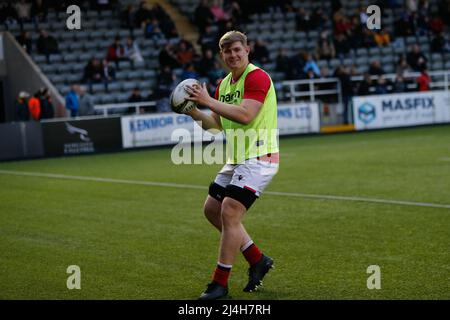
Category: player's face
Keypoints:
(235, 55)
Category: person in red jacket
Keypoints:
(34, 106)
(424, 80)
(116, 52)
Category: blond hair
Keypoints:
(231, 37)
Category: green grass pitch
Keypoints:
(136, 241)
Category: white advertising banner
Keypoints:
(158, 129)
(398, 110)
(298, 118)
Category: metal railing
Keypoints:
(122, 107)
(296, 88)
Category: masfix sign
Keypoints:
(81, 136)
(398, 110)
(160, 129)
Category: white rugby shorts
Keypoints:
(252, 174)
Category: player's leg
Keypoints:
(212, 210)
(232, 236)
(251, 179)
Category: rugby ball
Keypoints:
(178, 101)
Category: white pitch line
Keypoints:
(191, 186)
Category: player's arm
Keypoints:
(207, 121)
(244, 113)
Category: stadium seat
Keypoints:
(98, 88)
(124, 64)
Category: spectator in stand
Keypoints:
(424, 80)
(402, 66)
(311, 65)
(302, 20)
(189, 72)
(203, 16)
(235, 12)
(142, 14)
(381, 87)
(416, 59)
(406, 25)
(343, 25)
(436, 24)
(185, 52)
(342, 46)
(23, 9)
(8, 15)
(363, 17)
(318, 19)
(399, 84)
(34, 105)
(153, 30)
(25, 41)
(86, 104)
(22, 113)
(423, 18)
(215, 74)
(343, 74)
(365, 85)
(72, 100)
(168, 28)
(260, 52)
(93, 73)
(134, 97)
(297, 64)
(440, 44)
(168, 57)
(47, 44)
(132, 51)
(283, 62)
(325, 48)
(356, 37)
(218, 12)
(206, 63)
(116, 52)
(39, 11)
(108, 73)
(382, 38)
(165, 85)
(128, 17)
(47, 110)
(375, 68)
(208, 39)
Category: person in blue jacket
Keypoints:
(72, 101)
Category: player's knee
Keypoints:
(231, 212)
(211, 208)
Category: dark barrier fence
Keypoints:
(20, 140)
(82, 136)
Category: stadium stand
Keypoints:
(315, 39)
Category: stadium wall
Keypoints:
(22, 74)
(97, 134)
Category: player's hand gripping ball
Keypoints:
(178, 101)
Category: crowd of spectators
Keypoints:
(179, 60)
(33, 107)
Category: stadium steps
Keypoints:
(184, 27)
